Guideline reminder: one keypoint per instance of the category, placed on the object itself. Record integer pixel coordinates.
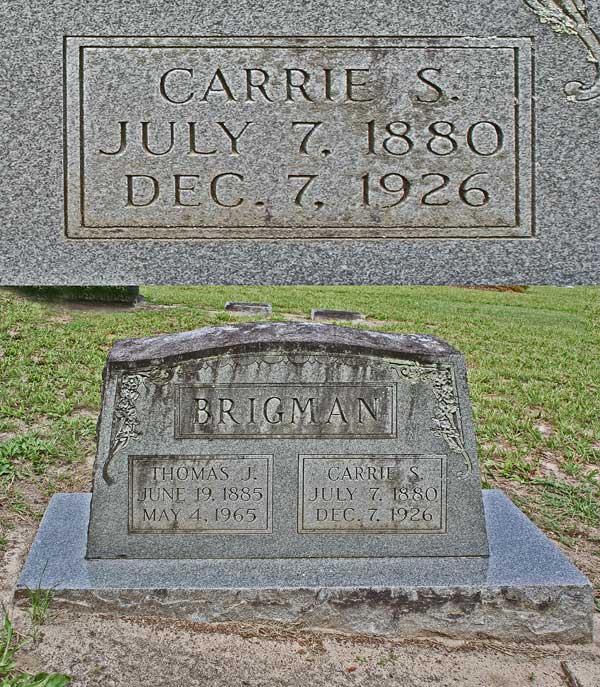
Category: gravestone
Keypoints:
(300, 143)
(249, 308)
(114, 295)
(324, 314)
(301, 472)
(290, 446)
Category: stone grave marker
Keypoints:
(301, 472)
(269, 451)
(249, 308)
(324, 314)
(300, 143)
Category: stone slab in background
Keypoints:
(122, 295)
(285, 440)
(526, 589)
(381, 147)
(350, 316)
(249, 308)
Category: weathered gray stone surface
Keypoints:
(525, 590)
(249, 308)
(285, 440)
(322, 314)
(381, 145)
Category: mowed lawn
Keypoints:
(534, 374)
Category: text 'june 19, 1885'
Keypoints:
(226, 138)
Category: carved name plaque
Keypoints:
(285, 440)
(219, 494)
(285, 410)
(400, 494)
(313, 143)
(246, 137)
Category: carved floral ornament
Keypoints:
(572, 17)
(446, 420)
(125, 414)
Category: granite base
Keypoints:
(526, 589)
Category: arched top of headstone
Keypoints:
(256, 337)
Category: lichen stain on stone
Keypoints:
(402, 603)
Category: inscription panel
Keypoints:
(387, 494)
(200, 494)
(246, 137)
(309, 410)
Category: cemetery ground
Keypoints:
(534, 375)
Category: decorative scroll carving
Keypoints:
(571, 17)
(125, 414)
(446, 420)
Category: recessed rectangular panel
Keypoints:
(200, 494)
(285, 410)
(246, 137)
(372, 493)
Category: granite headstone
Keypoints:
(339, 142)
(285, 440)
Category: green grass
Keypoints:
(10, 676)
(39, 607)
(534, 374)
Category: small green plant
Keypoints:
(24, 450)
(39, 601)
(9, 677)
(8, 646)
(390, 658)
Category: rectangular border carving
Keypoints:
(74, 163)
(179, 434)
(340, 532)
(232, 456)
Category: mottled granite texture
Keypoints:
(563, 245)
(526, 590)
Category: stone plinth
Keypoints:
(526, 589)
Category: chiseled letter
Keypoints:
(336, 411)
(297, 406)
(363, 404)
(179, 188)
(163, 86)
(259, 85)
(130, 190)
(202, 414)
(278, 413)
(212, 88)
(438, 91)
(289, 83)
(122, 141)
(351, 85)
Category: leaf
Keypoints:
(42, 680)
(54, 680)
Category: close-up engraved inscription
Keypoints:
(372, 493)
(200, 494)
(285, 410)
(244, 138)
